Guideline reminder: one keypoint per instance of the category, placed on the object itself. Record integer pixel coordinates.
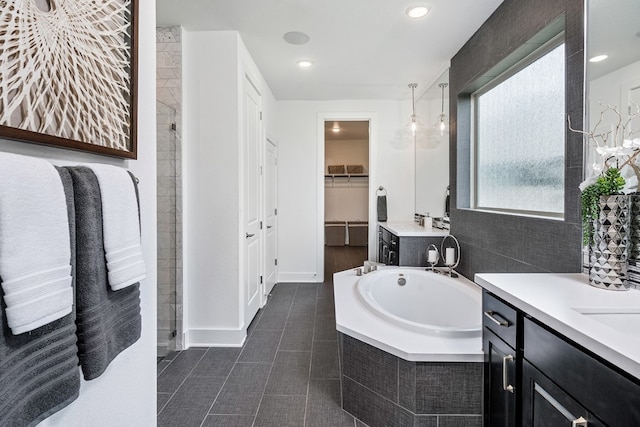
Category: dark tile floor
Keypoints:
(286, 374)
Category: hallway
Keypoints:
(286, 374)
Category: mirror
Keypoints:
(432, 150)
(613, 29)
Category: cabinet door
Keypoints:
(547, 405)
(500, 373)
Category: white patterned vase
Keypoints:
(610, 246)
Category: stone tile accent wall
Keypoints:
(499, 243)
(169, 122)
(381, 389)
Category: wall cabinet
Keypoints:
(535, 376)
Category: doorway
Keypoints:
(346, 187)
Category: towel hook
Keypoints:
(382, 190)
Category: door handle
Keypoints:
(247, 235)
(505, 380)
(269, 226)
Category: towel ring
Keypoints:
(382, 190)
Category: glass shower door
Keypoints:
(167, 160)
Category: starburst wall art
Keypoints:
(68, 73)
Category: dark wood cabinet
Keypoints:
(502, 362)
(535, 376)
(408, 251)
(547, 405)
(500, 375)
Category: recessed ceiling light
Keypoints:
(598, 58)
(336, 127)
(296, 37)
(417, 12)
(305, 63)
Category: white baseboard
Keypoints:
(284, 277)
(215, 337)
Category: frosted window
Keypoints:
(520, 127)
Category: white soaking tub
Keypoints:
(429, 318)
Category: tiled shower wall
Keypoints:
(169, 112)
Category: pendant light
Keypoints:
(414, 126)
(442, 122)
(414, 119)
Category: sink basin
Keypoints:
(624, 320)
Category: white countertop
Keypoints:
(559, 301)
(412, 229)
(355, 320)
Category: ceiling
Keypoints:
(614, 30)
(362, 49)
(349, 130)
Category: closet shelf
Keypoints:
(346, 176)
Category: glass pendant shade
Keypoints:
(442, 122)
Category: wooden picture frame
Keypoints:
(68, 74)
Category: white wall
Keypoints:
(301, 218)
(211, 158)
(125, 395)
(214, 65)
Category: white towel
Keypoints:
(120, 226)
(35, 251)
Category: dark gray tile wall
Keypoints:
(448, 388)
(381, 389)
(372, 408)
(506, 243)
(371, 367)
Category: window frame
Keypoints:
(529, 59)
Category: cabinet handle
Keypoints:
(247, 235)
(505, 379)
(580, 422)
(494, 318)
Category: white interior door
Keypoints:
(270, 216)
(252, 236)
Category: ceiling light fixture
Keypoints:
(441, 124)
(336, 127)
(417, 12)
(598, 58)
(305, 63)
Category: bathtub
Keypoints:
(430, 318)
(422, 301)
(405, 346)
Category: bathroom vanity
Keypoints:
(559, 352)
(405, 243)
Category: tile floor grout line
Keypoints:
(223, 384)
(273, 362)
(313, 336)
(181, 383)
